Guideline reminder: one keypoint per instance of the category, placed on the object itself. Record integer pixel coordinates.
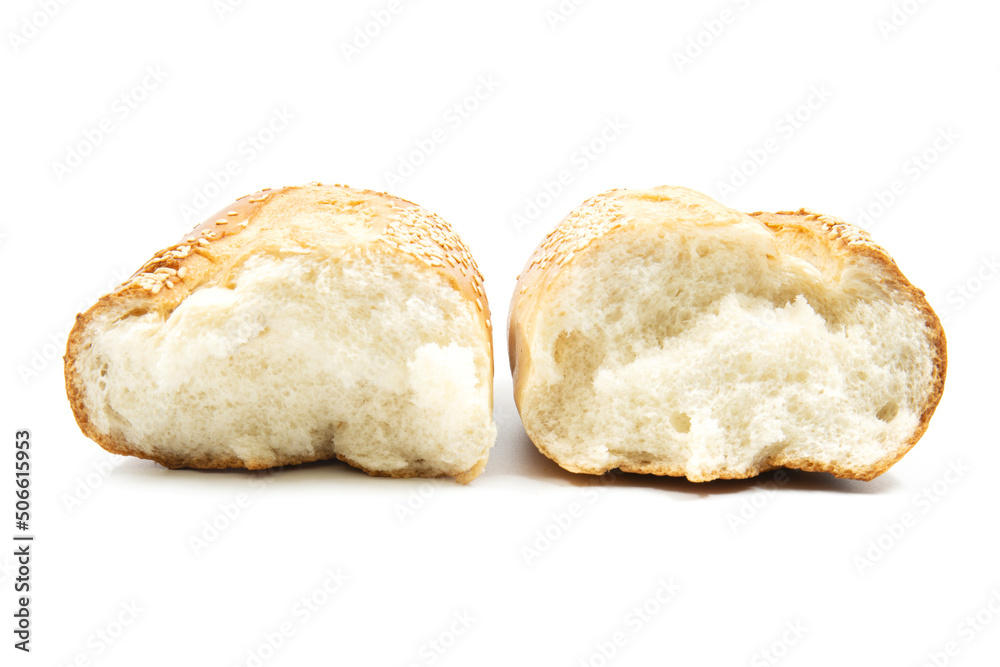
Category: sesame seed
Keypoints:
(221, 222)
(232, 213)
(181, 271)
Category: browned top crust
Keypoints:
(385, 220)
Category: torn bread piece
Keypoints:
(658, 331)
(299, 324)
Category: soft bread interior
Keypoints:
(297, 357)
(719, 352)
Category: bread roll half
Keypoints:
(299, 324)
(658, 331)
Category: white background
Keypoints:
(750, 559)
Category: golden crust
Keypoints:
(207, 253)
(828, 242)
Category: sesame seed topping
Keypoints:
(232, 213)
